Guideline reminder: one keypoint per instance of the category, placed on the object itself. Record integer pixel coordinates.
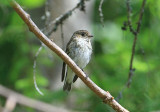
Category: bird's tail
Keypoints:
(67, 86)
(68, 80)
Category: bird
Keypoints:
(79, 49)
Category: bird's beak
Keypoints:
(90, 36)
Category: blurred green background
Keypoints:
(109, 65)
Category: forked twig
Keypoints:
(131, 69)
(135, 33)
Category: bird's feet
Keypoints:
(85, 74)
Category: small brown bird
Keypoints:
(79, 49)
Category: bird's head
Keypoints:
(82, 34)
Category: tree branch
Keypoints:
(23, 100)
(135, 33)
(34, 69)
(104, 95)
(59, 20)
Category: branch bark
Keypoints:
(104, 95)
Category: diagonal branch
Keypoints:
(26, 101)
(104, 95)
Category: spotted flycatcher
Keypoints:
(79, 49)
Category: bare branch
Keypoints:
(10, 104)
(34, 69)
(135, 33)
(23, 100)
(47, 20)
(63, 17)
(140, 16)
(131, 69)
(104, 95)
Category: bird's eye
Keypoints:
(83, 34)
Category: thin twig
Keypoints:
(34, 69)
(47, 20)
(47, 13)
(131, 69)
(63, 17)
(140, 16)
(104, 95)
(120, 95)
(62, 36)
(101, 13)
(129, 14)
(82, 5)
(135, 33)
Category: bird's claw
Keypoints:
(86, 76)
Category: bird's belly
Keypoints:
(82, 56)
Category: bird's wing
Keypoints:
(64, 68)
(64, 71)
